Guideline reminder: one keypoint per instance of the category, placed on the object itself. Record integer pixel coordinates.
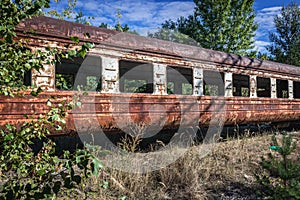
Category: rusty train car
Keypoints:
(130, 78)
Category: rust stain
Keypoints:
(239, 110)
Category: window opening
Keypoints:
(179, 80)
(296, 90)
(282, 88)
(78, 72)
(241, 85)
(263, 87)
(135, 77)
(213, 83)
(27, 78)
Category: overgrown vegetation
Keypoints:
(25, 174)
(283, 178)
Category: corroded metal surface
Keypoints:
(105, 109)
(55, 29)
(108, 111)
(51, 29)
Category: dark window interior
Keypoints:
(263, 87)
(78, 72)
(136, 77)
(296, 88)
(241, 85)
(27, 78)
(213, 83)
(179, 80)
(282, 88)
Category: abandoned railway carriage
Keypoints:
(129, 77)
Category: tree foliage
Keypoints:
(286, 40)
(16, 59)
(170, 32)
(25, 174)
(226, 25)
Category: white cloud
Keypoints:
(261, 46)
(265, 17)
(272, 9)
(147, 16)
(265, 20)
(139, 15)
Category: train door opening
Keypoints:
(241, 85)
(282, 88)
(296, 89)
(213, 83)
(263, 87)
(135, 77)
(179, 80)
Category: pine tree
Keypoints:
(286, 40)
(283, 180)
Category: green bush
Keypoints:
(28, 175)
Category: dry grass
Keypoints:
(228, 170)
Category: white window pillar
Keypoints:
(228, 84)
(159, 79)
(273, 88)
(253, 86)
(198, 82)
(291, 90)
(110, 75)
(44, 78)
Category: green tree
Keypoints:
(170, 32)
(224, 25)
(66, 13)
(286, 40)
(118, 27)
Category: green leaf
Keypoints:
(96, 166)
(75, 39)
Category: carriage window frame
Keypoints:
(282, 88)
(92, 69)
(181, 83)
(241, 85)
(212, 87)
(296, 89)
(135, 73)
(263, 87)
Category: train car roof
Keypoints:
(56, 29)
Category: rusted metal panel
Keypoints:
(50, 29)
(109, 109)
(55, 28)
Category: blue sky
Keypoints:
(146, 16)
